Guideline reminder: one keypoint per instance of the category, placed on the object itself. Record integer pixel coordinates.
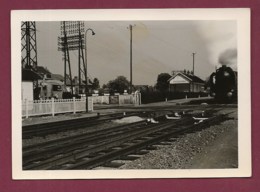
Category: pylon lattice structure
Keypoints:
(29, 48)
(72, 39)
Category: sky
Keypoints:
(158, 47)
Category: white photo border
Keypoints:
(241, 15)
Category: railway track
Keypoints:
(41, 130)
(50, 148)
(97, 148)
(136, 145)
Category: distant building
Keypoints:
(29, 79)
(75, 85)
(50, 88)
(185, 82)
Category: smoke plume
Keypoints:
(228, 57)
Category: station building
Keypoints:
(184, 82)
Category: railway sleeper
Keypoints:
(113, 164)
(141, 152)
(129, 157)
(151, 148)
(165, 143)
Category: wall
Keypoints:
(180, 88)
(27, 90)
(197, 87)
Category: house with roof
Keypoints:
(185, 82)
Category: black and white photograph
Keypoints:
(159, 93)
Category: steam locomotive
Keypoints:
(223, 85)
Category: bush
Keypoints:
(156, 96)
(67, 95)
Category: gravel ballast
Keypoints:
(188, 150)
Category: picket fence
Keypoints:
(55, 106)
(118, 99)
(104, 99)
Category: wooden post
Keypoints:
(40, 106)
(26, 108)
(119, 99)
(92, 104)
(52, 107)
(74, 105)
(140, 99)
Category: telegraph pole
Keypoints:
(193, 61)
(131, 66)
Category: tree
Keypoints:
(118, 85)
(104, 86)
(162, 82)
(95, 84)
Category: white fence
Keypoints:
(118, 99)
(54, 106)
(100, 99)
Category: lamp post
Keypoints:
(131, 65)
(86, 60)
